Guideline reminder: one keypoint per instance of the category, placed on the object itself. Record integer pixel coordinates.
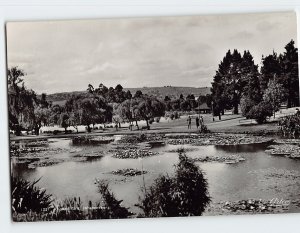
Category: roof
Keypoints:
(203, 107)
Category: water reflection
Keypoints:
(226, 181)
(244, 148)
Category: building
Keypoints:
(203, 108)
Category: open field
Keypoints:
(228, 124)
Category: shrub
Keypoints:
(172, 116)
(30, 203)
(185, 194)
(151, 120)
(112, 207)
(26, 196)
(246, 105)
(260, 112)
(204, 129)
(290, 125)
(69, 209)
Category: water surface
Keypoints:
(227, 182)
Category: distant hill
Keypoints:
(160, 92)
(172, 92)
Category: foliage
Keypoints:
(157, 119)
(271, 67)
(64, 121)
(150, 107)
(238, 78)
(128, 110)
(260, 112)
(88, 110)
(26, 196)
(41, 116)
(285, 68)
(112, 207)
(21, 102)
(30, 203)
(290, 125)
(246, 105)
(290, 77)
(274, 95)
(111, 95)
(185, 194)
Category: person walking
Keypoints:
(197, 122)
(189, 120)
(201, 120)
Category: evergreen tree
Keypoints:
(290, 78)
(271, 66)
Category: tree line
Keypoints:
(98, 105)
(28, 111)
(238, 81)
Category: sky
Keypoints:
(61, 56)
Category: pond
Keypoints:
(260, 176)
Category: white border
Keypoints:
(16, 10)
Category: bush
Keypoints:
(290, 125)
(112, 207)
(185, 194)
(27, 197)
(151, 120)
(172, 116)
(157, 119)
(260, 112)
(246, 105)
(55, 132)
(30, 203)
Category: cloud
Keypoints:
(242, 35)
(267, 26)
(98, 68)
(181, 51)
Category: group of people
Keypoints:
(199, 122)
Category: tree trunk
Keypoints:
(148, 126)
(37, 130)
(289, 102)
(18, 131)
(236, 109)
(66, 130)
(89, 129)
(136, 124)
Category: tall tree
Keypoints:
(271, 67)
(64, 121)
(150, 107)
(274, 95)
(227, 83)
(21, 102)
(290, 79)
(251, 93)
(88, 110)
(138, 94)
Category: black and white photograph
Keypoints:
(146, 117)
